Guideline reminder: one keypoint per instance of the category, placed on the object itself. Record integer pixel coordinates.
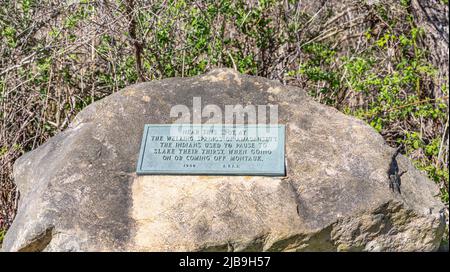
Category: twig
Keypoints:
(24, 61)
(408, 105)
(339, 15)
(442, 144)
(232, 60)
(130, 8)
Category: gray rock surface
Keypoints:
(79, 190)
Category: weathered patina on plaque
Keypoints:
(212, 150)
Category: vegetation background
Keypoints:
(383, 61)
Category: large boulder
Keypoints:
(79, 190)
